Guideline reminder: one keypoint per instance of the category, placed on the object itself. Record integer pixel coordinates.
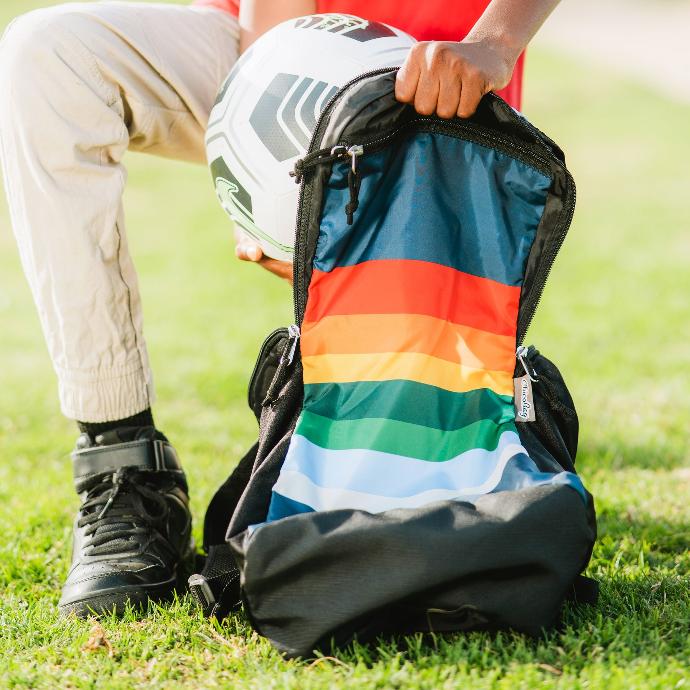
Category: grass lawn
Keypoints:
(615, 318)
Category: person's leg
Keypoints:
(79, 85)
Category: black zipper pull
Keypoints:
(328, 156)
(317, 158)
(298, 171)
(353, 182)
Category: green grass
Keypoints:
(614, 317)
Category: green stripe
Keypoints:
(407, 401)
(400, 438)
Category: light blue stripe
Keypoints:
(313, 478)
(522, 472)
(515, 478)
(385, 474)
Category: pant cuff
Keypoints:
(105, 396)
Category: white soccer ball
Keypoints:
(267, 109)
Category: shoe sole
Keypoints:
(116, 600)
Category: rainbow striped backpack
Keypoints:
(415, 464)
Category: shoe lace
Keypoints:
(121, 512)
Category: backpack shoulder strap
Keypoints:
(227, 496)
(216, 589)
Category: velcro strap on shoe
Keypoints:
(143, 455)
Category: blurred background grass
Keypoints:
(614, 317)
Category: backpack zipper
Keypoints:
(534, 298)
(344, 150)
(298, 227)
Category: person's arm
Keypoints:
(258, 16)
(449, 78)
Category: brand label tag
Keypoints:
(524, 402)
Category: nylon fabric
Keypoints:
(452, 202)
(420, 288)
(310, 475)
(320, 577)
(281, 507)
(406, 401)
(318, 572)
(398, 308)
(366, 333)
(400, 438)
(411, 366)
(378, 482)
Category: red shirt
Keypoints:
(426, 20)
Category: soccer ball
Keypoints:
(267, 109)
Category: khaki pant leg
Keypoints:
(79, 85)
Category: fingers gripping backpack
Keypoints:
(415, 463)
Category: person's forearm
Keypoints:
(509, 25)
(258, 16)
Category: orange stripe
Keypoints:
(405, 366)
(370, 333)
(403, 286)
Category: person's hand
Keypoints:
(449, 78)
(249, 251)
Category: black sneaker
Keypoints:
(132, 535)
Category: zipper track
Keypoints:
(298, 226)
(543, 275)
(484, 138)
(451, 127)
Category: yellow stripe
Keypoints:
(409, 366)
(367, 333)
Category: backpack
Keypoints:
(415, 463)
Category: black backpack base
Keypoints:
(321, 562)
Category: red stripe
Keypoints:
(404, 286)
